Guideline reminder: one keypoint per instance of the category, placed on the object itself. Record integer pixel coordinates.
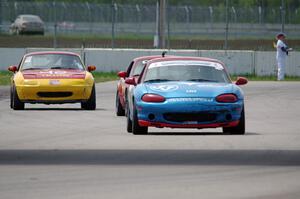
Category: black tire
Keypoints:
(16, 103)
(129, 124)
(126, 104)
(119, 109)
(136, 128)
(90, 104)
(11, 97)
(239, 129)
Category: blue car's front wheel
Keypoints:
(136, 128)
(239, 129)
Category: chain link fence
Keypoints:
(90, 18)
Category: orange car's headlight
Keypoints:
(30, 82)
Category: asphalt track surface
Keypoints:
(60, 151)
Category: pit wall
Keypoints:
(238, 62)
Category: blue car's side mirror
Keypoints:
(241, 81)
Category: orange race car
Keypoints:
(52, 78)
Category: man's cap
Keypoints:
(280, 34)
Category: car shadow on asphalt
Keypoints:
(197, 134)
(61, 109)
(147, 157)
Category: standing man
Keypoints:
(282, 53)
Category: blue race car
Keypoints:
(185, 92)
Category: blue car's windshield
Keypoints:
(186, 71)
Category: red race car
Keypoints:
(134, 70)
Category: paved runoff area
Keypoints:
(60, 151)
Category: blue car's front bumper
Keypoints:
(189, 113)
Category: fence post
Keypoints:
(90, 17)
(156, 39)
(16, 8)
(211, 14)
(260, 14)
(55, 26)
(161, 27)
(296, 14)
(282, 9)
(114, 9)
(139, 18)
(234, 12)
(64, 30)
(168, 24)
(0, 15)
(226, 28)
(187, 12)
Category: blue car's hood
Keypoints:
(176, 89)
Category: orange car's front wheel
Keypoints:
(16, 104)
(90, 104)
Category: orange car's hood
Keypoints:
(54, 74)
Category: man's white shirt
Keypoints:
(281, 54)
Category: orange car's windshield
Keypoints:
(52, 61)
(139, 66)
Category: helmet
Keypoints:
(280, 34)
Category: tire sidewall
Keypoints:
(129, 122)
(90, 104)
(11, 97)
(16, 103)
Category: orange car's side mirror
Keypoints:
(13, 68)
(91, 68)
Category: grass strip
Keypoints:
(5, 77)
(105, 76)
(265, 78)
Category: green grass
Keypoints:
(110, 76)
(105, 76)
(5, 77)
(264, 78)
